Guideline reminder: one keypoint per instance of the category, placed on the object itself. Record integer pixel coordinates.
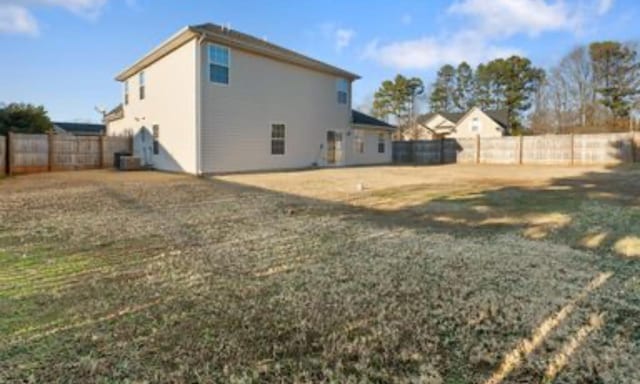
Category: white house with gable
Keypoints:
(214, 100)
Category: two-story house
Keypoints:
(214, 100)
(472, 123)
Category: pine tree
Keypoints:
(443, 90)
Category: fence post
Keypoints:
(10, 150)
(412, 151)
(573, 140)
(521, 149)
(635, 147)
(50, 154)
(477, 149)
(441, 150)
(101, 150)
(5, 155)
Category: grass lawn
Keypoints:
(451, 274)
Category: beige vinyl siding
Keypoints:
(118, 127)
(170, 102)
(488, 127)
(370, 154)
(237, 118)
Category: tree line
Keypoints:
(593, 88)
(23, 118)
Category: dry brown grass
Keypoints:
(541, 201)
(149, 277)
(341, 184)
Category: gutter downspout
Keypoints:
(198, 130)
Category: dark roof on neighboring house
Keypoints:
(114, 114)
(359, 118)
(81, 129)
(451, 116)
(499, 116)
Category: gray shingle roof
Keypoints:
(499, 116)
(360, 118)
(114, 114)
(81, 129)
(267, 48)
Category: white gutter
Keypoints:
(199, 104)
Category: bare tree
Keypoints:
(578, 71)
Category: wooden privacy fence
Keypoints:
(3, 155)
(33, 153)
(585, 149)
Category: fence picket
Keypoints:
(33, 153)
(3, 155)
(582, 149)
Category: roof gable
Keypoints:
(235, 39)
(500, 116)
(453, 117)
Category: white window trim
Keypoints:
(359, 142)
(479, 125)
(209, 62)
(142, 83)
(382, 136)
(284, 140)
(339, 82)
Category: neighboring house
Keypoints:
(79, 129)
(472, 123)
(214, 100)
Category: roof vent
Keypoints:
(225, 27)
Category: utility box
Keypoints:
(130, 163)
(117, 156)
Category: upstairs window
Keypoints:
(218, 64)
(475, 125)
(343, 91)
(277, 139)
(381, 142)
(141, 80)
(126, 92)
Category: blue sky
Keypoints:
(64, 54)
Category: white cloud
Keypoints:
(509, 17)
(89, 8)
(430, 52)
(407, 19)
(132, 4)
(16, 16)
(604, 6)
(482, 29)
(17, 20)
(343, 38)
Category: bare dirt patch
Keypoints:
(109, 277)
